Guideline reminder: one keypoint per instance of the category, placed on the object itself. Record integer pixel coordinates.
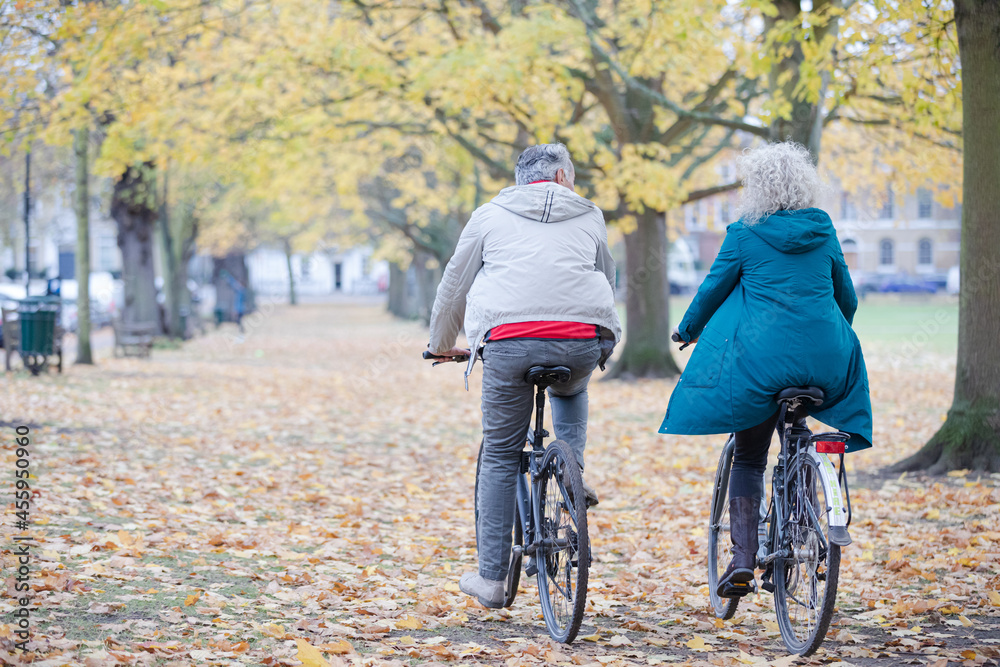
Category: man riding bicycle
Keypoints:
(533, 279)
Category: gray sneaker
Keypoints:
(491, 594)
(589, 493)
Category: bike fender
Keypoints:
(828, 475)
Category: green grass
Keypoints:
(909, 324)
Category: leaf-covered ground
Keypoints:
(306, 495)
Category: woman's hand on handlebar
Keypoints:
(676, 337)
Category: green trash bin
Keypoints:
(38, 326)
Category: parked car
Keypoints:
(105, 293)
(938, 280)
(954, 280)
(908, 284)
(865, 283)
(10, 294)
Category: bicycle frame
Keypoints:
(530, 462)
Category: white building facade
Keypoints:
(52, 246)
(351, 271)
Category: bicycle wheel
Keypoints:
(720, 544)
(806, 581)
(563, 553)
(514, 570)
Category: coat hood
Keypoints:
(543, 202)
(795, 232)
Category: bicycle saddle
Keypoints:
(545, 376)
(813, 395)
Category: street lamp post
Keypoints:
(27, 224)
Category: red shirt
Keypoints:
(562, 330)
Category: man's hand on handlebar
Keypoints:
(456, 354)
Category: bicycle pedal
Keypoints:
(821, 576)
(531, 567)
(737, 590)
(767, 586)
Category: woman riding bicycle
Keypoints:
(774, 312)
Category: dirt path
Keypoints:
(226, 502)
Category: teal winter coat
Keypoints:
(774, 312)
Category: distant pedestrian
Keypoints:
(239, 298)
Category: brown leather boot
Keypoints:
(735, 582)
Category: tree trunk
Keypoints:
(291, 276)
(646, 352)
(179, 233)
(970, 437)
(173, 319)
(428, 274)
(189, 232)
(133, 204)
(81, 202)
(401, 301)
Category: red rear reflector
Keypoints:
(830, 447)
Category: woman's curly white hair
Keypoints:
(776, 177)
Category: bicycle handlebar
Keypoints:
(677, 339)
(443, 359)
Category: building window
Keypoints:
(850, 250)
(724, 211)
(846, 206)
(887, 212)
(925, 202)
(885, 253)
(925, 252)
(106, 252)
(691, 211)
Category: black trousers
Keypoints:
(750, 459)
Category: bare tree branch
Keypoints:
(695, 195)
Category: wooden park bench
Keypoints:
(134, 339)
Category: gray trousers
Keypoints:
(507, 407)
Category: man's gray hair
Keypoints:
(541, 162)
(777, 177)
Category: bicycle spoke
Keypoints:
(562, 546)
(807, 580)
(719, 540)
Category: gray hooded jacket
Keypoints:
(535, 253)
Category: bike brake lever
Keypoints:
(451, 360)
